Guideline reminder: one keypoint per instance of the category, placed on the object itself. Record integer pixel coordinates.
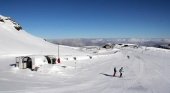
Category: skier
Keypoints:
(121, 70)
(114, 72)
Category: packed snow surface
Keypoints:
(146, 69)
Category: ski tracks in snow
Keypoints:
(151, 75)
(135, 72)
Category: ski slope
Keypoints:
(145, 71)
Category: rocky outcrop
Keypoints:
(11, 22)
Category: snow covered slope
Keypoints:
(145, 71)
(13, 41)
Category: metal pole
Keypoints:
(75, 64)
(58, 54)
(58, 50)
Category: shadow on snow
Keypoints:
(106, 75)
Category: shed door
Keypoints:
(48, 59)
(29, 63)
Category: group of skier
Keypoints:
(120, 71)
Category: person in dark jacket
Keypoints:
(121, 70)
(114, 72)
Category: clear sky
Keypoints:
(91, 18)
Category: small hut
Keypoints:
(1, 20)
(108, 46)
(31, 62)
(51, 59)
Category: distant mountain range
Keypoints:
(154, 42)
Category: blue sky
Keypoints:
(91, 18)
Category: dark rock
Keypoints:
(18, 28)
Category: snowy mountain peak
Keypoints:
(7, 21)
